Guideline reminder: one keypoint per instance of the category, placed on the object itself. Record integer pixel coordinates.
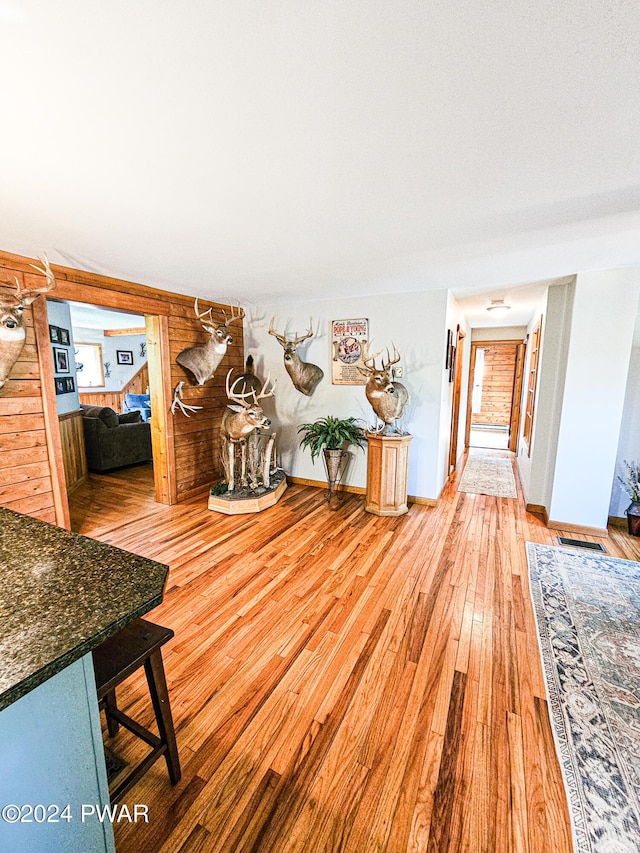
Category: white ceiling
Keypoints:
(254, 151)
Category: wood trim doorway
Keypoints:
(508, 409)
(455, 405)
(158, 350)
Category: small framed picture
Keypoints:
(54, 334)
(61, 360)
(69, 385)
(124, 356)
(60, 384)
(64, 337)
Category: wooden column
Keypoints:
(387, 474)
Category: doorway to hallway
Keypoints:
(495, 391)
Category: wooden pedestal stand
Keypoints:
(387, 474)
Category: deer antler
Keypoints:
(281, 338)
(366, 358)
(234, 317)
(297, 340)
(46, 271)
(265, 393)
(204, 313)
(177, 401)
(235, 396)
(390, 361)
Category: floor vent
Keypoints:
(579, 543)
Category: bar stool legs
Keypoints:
(156, 680)
(139, 644)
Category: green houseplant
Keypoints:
(329, 435)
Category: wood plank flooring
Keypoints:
(340, 681)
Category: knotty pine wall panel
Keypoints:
(25, 472)
(74, 457)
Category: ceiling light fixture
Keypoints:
(498, 306)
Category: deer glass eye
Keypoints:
(20, 307)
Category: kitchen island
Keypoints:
(61, 595)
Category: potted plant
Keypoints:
(631, 485)
(329, 435)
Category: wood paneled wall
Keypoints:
(25, 472)
(74, 456)
(497, 385)
(186, 454)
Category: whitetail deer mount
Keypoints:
(202, 361)
(388, 399)
(242, 417)
(13, 331)
(304, 375)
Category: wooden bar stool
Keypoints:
(115, 660)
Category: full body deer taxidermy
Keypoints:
(304, 375)
(203, 361)
(239, 420)
(387, 398)
(13, 331)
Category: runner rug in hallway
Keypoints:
(488, 475)
(588, 617)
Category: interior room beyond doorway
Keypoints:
(494, 398)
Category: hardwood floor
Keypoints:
(345, 682)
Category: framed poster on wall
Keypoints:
(347, 340)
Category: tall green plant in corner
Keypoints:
(329, 436)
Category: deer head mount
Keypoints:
(202, 361)
(304, 375)
(388, 399)
(240, 419)
(13, 331)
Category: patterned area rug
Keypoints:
(588, 613)
(488, 475)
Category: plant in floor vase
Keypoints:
(329, 435)
(631, 485)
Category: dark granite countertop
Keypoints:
(61, 595)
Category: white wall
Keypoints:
(556, 313)
(602, 324)
(416, 323)
(499, 333)
(525, 454)
(120, 373)
(59, 315)
(629, 444)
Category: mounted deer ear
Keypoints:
(238, 409)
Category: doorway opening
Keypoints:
(495, 391)
(103, 400)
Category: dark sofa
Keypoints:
(112, 440)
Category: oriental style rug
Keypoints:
(488, 475)
(587, 609)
